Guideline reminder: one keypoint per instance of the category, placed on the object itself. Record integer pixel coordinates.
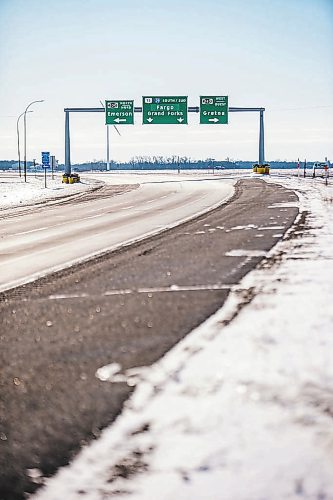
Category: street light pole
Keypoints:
(25, 137)
(18, 141)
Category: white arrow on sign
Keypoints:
(180, 119)
(213, 120)
(149, 120)
(118, 120)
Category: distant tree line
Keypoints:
(13, 164)
(176, 163)
(161, 163)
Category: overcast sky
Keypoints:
(275, 54)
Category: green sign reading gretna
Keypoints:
(119, 112)
(214, 109)
(164, 110)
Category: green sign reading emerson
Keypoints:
(119, 113)
(214, 109)
(164, 110)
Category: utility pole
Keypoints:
(52, 166)
(25, 137)
(18, 143)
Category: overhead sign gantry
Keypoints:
(159, 110)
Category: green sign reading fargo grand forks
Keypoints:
(164, 110)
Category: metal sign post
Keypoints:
(107, 148)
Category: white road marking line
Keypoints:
(269, 228)
(63, 223)
(31, 231)
(128, 291)
(67, 296)
(118, 292)
(245, 253)
(246, 228)
(184, 288)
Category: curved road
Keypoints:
(37, 240)
(127, 307)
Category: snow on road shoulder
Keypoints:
(15, 192)
(239, 409)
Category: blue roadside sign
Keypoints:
(46, 159)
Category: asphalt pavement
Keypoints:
(44, 238)
(129, 306)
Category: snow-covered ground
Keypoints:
(242, 408)
(15, 192)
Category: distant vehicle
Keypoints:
(319, 167)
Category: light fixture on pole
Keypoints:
(18, 141)
(25, 137)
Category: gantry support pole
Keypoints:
(261, 139)
(67, 145)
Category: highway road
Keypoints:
(37, 240)
(127, 306)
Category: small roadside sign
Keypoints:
(119, 112)
(45, 159)
(164, 110)
(45, 163)
(213, 109)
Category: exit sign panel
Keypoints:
(119, 112)
(169, 110)
(213, 109)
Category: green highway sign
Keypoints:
(119, 112)
(164, 110)
(213, 109)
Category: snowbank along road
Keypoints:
(125, 308)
